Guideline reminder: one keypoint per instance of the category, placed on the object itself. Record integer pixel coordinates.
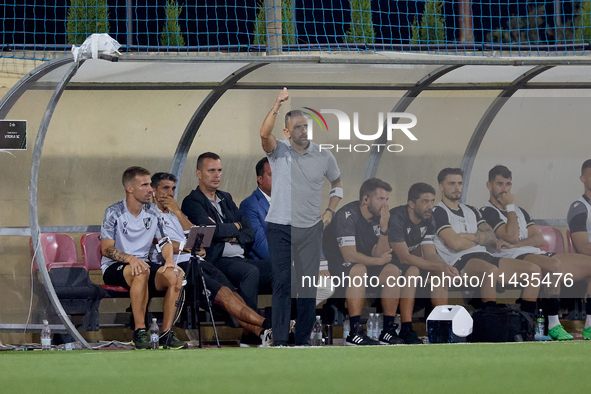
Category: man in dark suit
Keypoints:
(206, 205)
(255, 208)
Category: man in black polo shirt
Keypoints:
(579, 225)
(356, 246)
(411, 226)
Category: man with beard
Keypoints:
(294, 223)
(356, 246)
(579, 225)
(513, 225)
(579, 218)
(462, 238)
(411, 226)
(127, 232)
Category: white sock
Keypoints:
(553, 321)
(588, 321)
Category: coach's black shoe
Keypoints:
(171, 342)
(389, 337)
(410, 337)
(250, 340)
(357, 337)
(140, 339)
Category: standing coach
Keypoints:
(294, 229)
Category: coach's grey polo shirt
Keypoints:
(297, 183)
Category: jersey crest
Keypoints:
(376, 230)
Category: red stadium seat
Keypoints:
(569, 242)
(553, 239)
(91, 257)
(69, 277)
(59, 251)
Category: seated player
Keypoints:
(127, 232)
(356, 246)
(222, 292)
(579, 225)
(411, 227)
(513, 225)
(462, 238)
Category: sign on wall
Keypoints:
(13, 134)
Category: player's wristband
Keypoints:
(330, 210)
(384, 232)
(336, 192)
(510, 208)
(163, 241)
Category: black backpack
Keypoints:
(502, 324)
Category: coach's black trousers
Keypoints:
(301, 246)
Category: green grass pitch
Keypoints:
(459, 368)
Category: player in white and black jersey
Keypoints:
(128, 230)
(177, 225)
(355, 244)
(579, 214)
(514, 225)
(412, 229)
(462, 237)
(579, 225)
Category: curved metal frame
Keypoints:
(182, 150)
(178, 160)
(34, 219)
(22, 85)
(375, 154)
(487, 119)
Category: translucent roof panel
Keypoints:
(56, 75)
(94, 136)
(102, 71)
(483, 74)
(444, 128)
(16, 165)
(564, 74)
(338, 74)
(234, 135)
(539, 139)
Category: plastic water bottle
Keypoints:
(45, 336)
(379, 324)
(70, 346)
(316, 337)
(154, 335)
(540, 326)
(346, 327)
(371, 323)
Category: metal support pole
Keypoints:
(33, 214)
(129, 23)
(487, 118)
(273, 23)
